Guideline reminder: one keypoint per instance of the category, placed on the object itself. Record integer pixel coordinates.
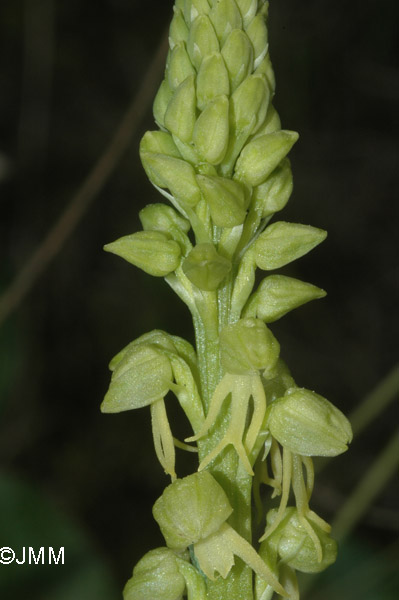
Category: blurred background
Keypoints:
(72, 477)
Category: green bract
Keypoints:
(310, 425)
(156, 576)
(248, 345)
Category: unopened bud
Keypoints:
(178, 30)
(159, 142)
(251, 99)
(173, 173)
(274, 193)
(151, 251)
(248, 345)
(308, 424)
(212, 80)
(202, 40)
(205, 268)
(195, 8)
(161, 102)
(225, 17)
(226, 200)
(248, 10)
(161, 217)
(238, 57)
(282, 243)
(179, 66)
(262, 155)
(278, 294)
(180, 115)
(211, 133)
(257, 33)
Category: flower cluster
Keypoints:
(219, 156)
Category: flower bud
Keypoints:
(248, 345)
(248, 10)
(251, 99)
(202, 40)
(178, 30)
(140, 378)
(159, 142)
(212, 80)
(194, 8)
(257, 33)
(172, 173)
(161, 102)
(282, 243)
(156, 575)
(160, 217)
(205, 268)
(151, 251)
(274, 193)
(294, 545)
(225, 17)
(226, 200)
(191, 509)
(179, 66)
(262, 155)
(211, 133)
(308, 424)
(266, 68)
(278, 294)
(271, 123)
(180, 115)
(238, 57)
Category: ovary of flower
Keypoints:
(241, 388)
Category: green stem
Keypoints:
(213, 314)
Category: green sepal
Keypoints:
(282, 243)
(273, 194)
(238, 57)
(227, 200)
(191, 509)
(156, 337)
(212, 80)
(266, 68)
(225, 17)
(262, 155)
(161, 102)
(173, 173)
(308, 424)
(179, 66)
(152, 251)
(211, 132)
(278, 294)
(271, 123)
(180, 115)
(156, 576)
(141, 377)
(159, 142)
(248, 345)
(202, 40)
(205, 268)
(294, 545)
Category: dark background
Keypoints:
(72, 477)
